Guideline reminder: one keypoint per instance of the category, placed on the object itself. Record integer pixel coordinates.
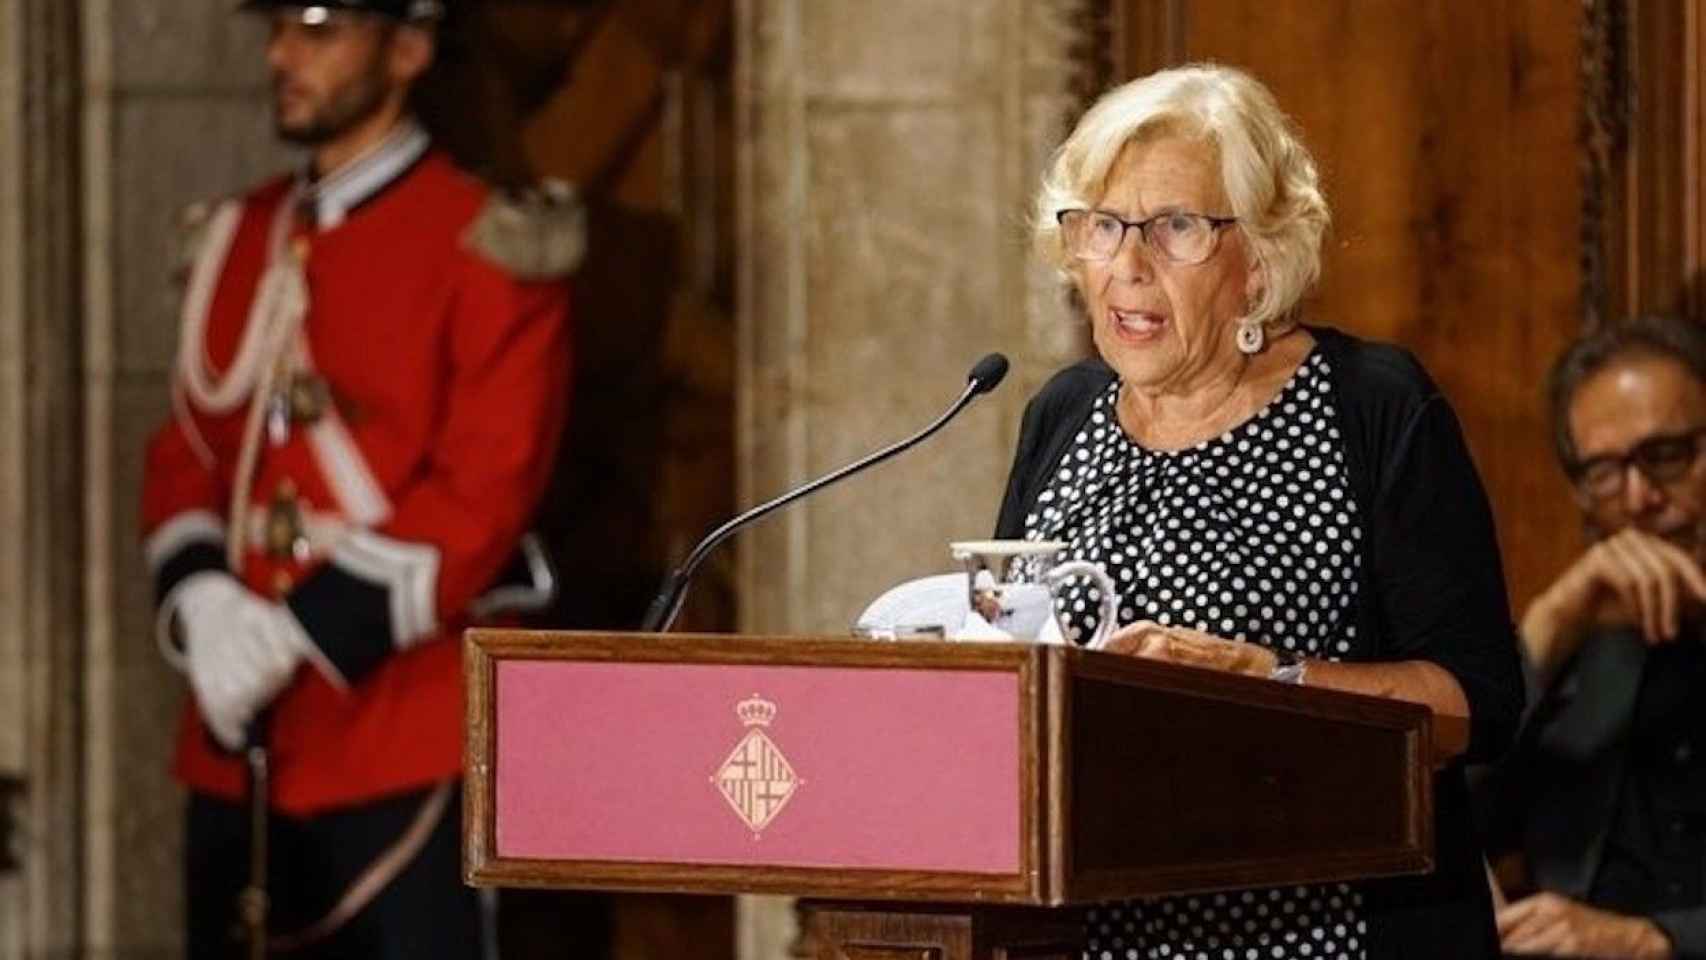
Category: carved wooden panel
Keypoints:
(1448, 136)
(1644, 230)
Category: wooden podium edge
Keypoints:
(718, 648)
(478, 819)
(1057, 779)
(813, 882)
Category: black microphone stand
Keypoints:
(667, 605)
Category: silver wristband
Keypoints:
(1288, 667)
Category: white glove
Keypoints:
(239, 650)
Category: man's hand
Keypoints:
(239, 651)
(1630, 576)
(1192, 648)
(1550, 925)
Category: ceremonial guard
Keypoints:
(370, 384)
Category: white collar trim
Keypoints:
(334, 195)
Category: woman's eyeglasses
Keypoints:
(1188, 238)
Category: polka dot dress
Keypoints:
(1253, 536)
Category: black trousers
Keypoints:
(424, 912)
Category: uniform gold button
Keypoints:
(300, 248)
(285, 529)
(309, 397)
(281, 584)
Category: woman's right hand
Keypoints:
(1193, 648)
(1630, 577)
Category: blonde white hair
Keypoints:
(1268, 175)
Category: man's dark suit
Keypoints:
(1605, 794)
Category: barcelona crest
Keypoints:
(756, 779)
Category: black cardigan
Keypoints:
(1432, 588)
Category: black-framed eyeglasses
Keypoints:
(1180, 236)
(1663, 460)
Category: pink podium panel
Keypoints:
(749, 764)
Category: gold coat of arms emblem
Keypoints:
(756, 779)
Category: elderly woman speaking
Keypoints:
(1270, 497)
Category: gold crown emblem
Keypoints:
(755, 711)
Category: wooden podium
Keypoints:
(933, 801)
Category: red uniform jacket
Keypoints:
(404, 445)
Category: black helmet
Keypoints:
(413, 11)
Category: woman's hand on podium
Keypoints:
(1193, 648)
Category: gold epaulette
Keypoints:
(539, 234)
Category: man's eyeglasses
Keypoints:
(1188, 238)
(1662, 459)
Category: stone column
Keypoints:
(175, 111)
(888, 153)
(40, 474)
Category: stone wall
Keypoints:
(889, 153)
(40, 474)
(889, 149)
(176, 111)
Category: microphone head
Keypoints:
(986, 376)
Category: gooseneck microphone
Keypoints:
(984, 377)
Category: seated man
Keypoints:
(1605, 794)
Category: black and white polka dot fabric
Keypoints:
(1252, 535)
